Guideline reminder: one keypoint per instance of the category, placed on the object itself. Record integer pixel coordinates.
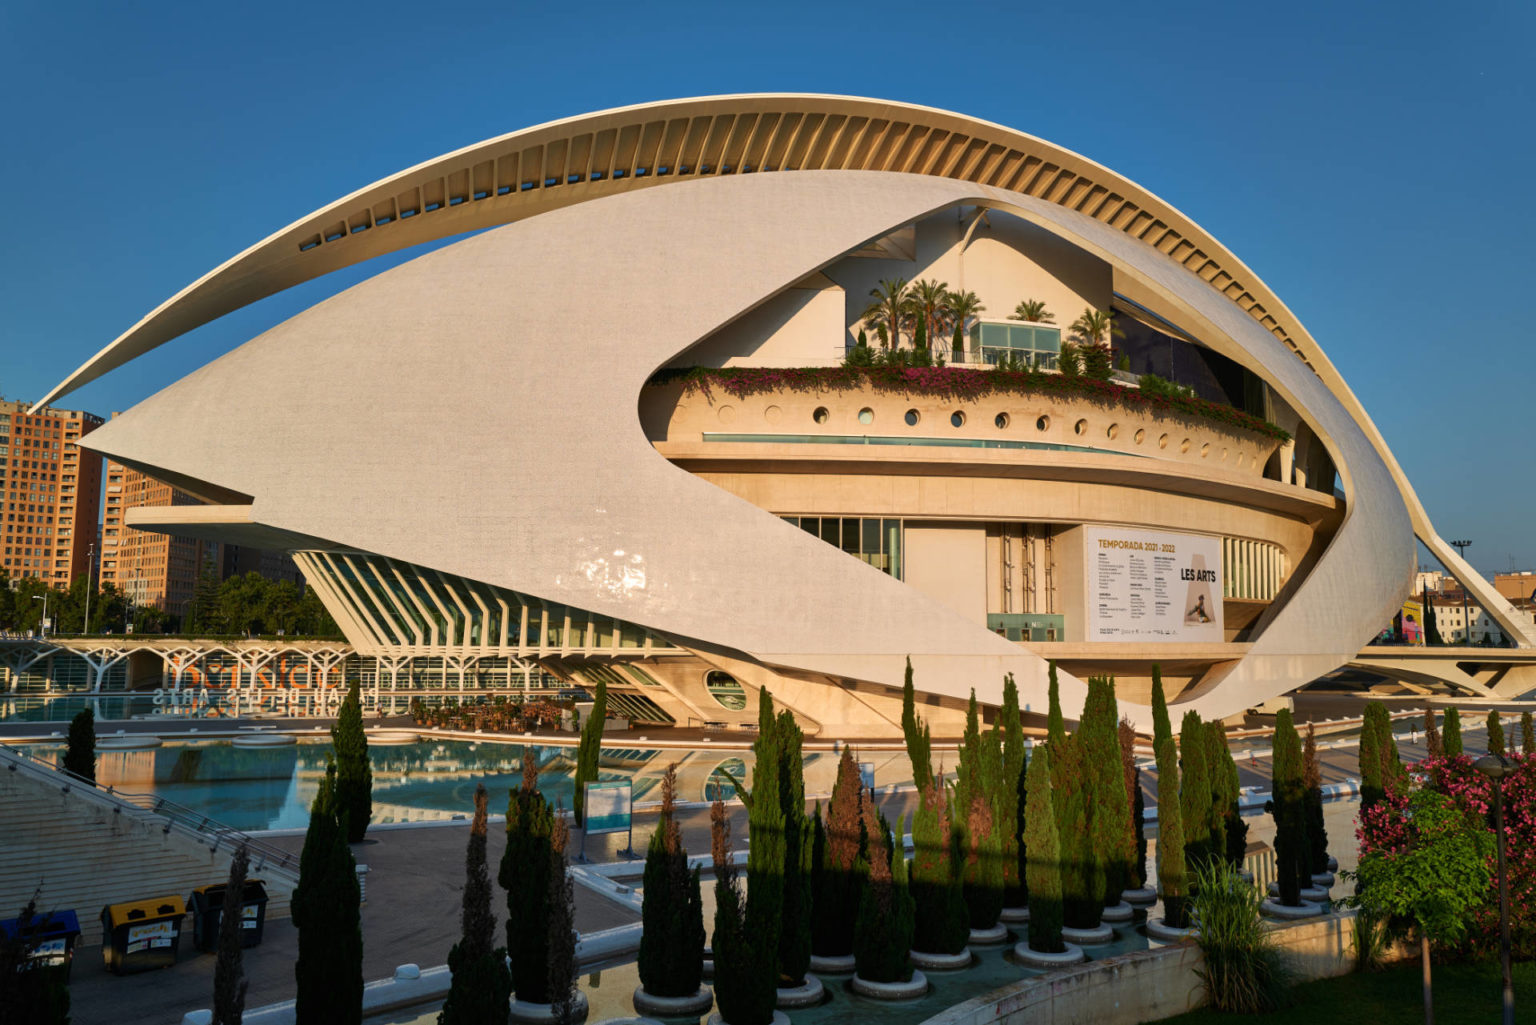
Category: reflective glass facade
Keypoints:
(875, 541)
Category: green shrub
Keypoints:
(525, 870)
(1244, 971)
(354, 770)
(326, 910)
(481, 983)
(1288, 805)
(80, 749)
(1043, 872)
(671, 911)
(1172, 877)
(1452, 733)
(1495, 733)
(941, 924)
(587, 752)
(919, 738)
(882, 938)
(841, 863)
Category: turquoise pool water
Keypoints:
(271, 788)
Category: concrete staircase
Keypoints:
(88, 847)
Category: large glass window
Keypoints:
(875, 541)
(726, 690)
(1033, 344)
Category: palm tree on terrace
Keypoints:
(1033, 310)
(888, 307)
(1094, 325)
(959, 309)
(927, 303)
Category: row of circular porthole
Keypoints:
(1002, 421)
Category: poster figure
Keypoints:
(1198, 603)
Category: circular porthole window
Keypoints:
(1112, 432)
(866, 416)
(718, 786)
(1043, 423)
(1141, 436)
(726, 690)
(1184, 445)
(1081, 427)
(957, 419)
(821, 415)
(1205, 450)
(1001, 421)
(1162, 442)
(912, 418)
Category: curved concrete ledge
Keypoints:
(1121, 912)
(265, 740)
(1160, 930)
(988, 937)
(1274, 909)
(1043, 959)
(912, 989)
(942, 962)
(808, 994)
(1014, 915)
(393, 737)
(1143, 897)
(673, 1007)
(138, 742)
(1089, 937)
(843, 964)
(524, 1013)
(1316, 894)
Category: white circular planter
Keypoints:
(989, 937)
(135, 742)
(1014, 915)
(779, 1017)
(1333, 864)
(1040, 959)
(524, 1013)
(808, 994)
(941, 961)
(1274, 909)
(1088, 937)
(1325, 880)
(708, 971)
(393, 737)
(673, 1007)
(633, 1020)
(1158, 929)
(1144, 897)
(843, 964)
(913, 988)
(265, 740)
(1121, 912)
(1310, 893)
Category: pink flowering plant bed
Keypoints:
(1388, 825)
(960, 383)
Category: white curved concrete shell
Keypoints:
(547, 329)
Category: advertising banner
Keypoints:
(608, 806)
(1148, 585)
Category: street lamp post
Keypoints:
(90, 584)
(44, 599)
(1466, 622)
(1496, 767)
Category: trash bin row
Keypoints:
(142, 934)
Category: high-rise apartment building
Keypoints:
(51, 493)
(150, 568)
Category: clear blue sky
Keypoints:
(1370, 161)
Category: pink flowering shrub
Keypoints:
(960, 383)
(1384, 828)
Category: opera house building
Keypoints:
(623, 428)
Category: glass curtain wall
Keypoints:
(872, 540)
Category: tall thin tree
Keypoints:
(481, 983)
(326, 908)
(229, 982)
(354, 770)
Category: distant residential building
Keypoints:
(1431, 580)
(1451, 620)
(1516, 587)
(151, 569)
(51, 492)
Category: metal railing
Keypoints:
(200, 827)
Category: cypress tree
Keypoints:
(1132, 775)
(525, 870)
(671, 909)
(1044, 869)
(843, 864)
(588, 750)
(1370, 761)
(561, 928)
(1162, 727)
(1082, 871)
(1237, 829)
(1171, 873)
(481, 983)
(983, 869)
(1431, 626)
(326, 910)
(1527, 734)
(968, 781)
(941, 924)
(1113, 844)
(919, 738)
(1288, 801)
(1056, 726)
(1194, 789)
(229, 983)
(1452, 732)
(1223, 795)
(763, 915)
(799, 841)
(1432, 734)
(354, 771)
(884, 931)
(1495, 733)
(80, 749)
(1312, 781)
(732, 946)
(1010, 795)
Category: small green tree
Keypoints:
(1527, 734)
(1223, 787)
(1312, 783)
(1132, 775)
(732, 946)
(1371, 786)
(941, 923)
(1495, 733)
(1171, 873)
(354, 770)
(762, 916)
(978, 785)
(1162, 726)
(1194, 789)
(80, 749)
(326, 909)
(842, 866)
(1044, 868)
(1435, 874)
(799, 842)
(671, 908)
(919, 738)
(1056, 724)
(886, 916)
(481, 984)
(229, 983)
(1288, 803)
(1432, 739)
(1452, 732)
(1010, 795)
(561, 928)
(588, 750)
(525, 871)
(1082, 870)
